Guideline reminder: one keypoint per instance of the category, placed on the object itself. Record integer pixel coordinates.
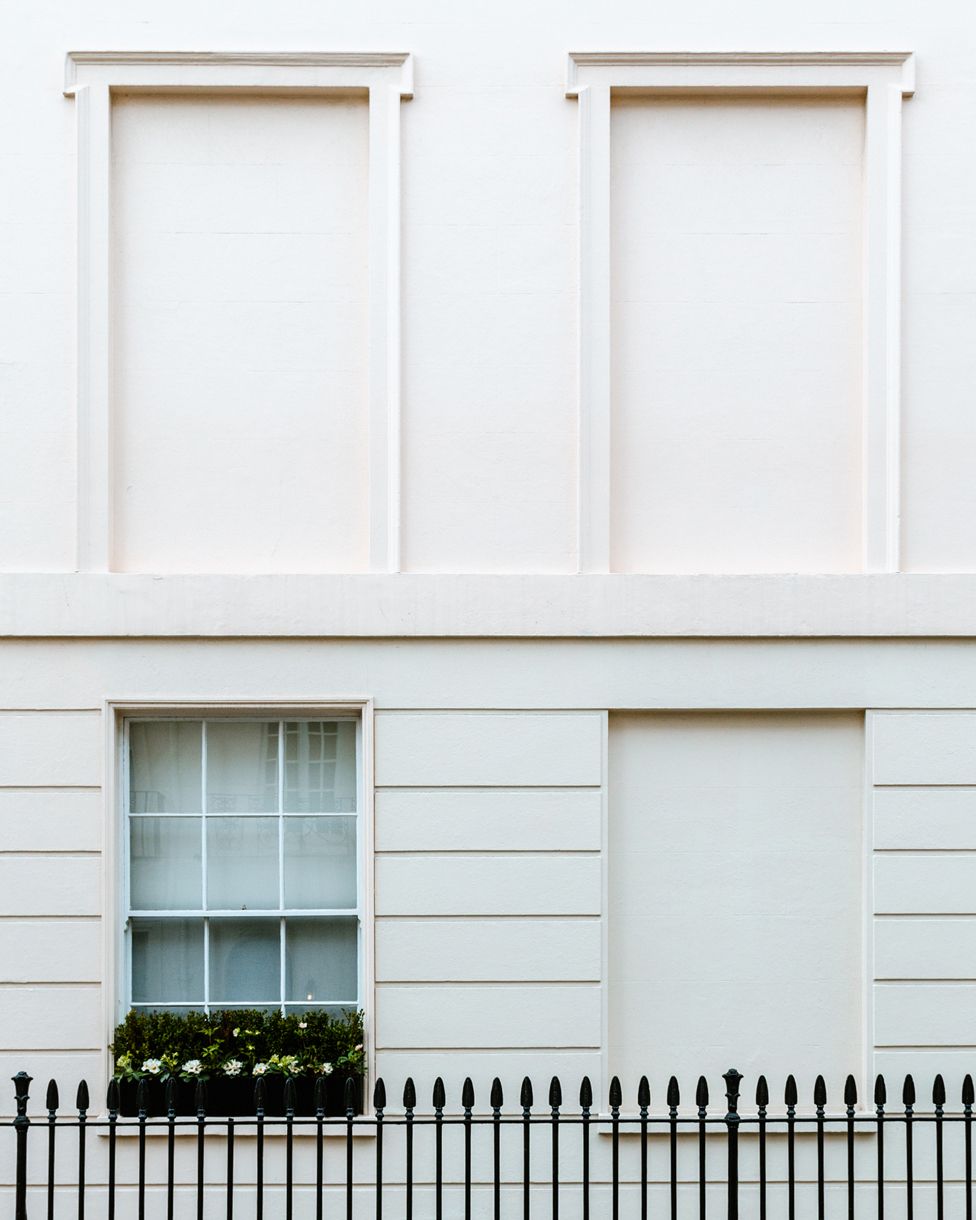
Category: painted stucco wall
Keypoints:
(507, 689)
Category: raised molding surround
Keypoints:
(884, 78)
(90, 78)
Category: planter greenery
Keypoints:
(230, 1051)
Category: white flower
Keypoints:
(325, 1069)
(295, 1068)
(260, 1069)
(237, 1031)
(152, 1066)
(233, 1067)
(303, 1025)
(193, 1066)
(359, 1046)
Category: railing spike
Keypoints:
(643, 1093)
(112, 1096)
(525, 1096)
(379, 1094)
(51, 1102)
(968, 1096)
(259, 1093)
(880, 1090)
(701, 1093)
(200, 1095)
(497, 1098)
(762, 1092)
(170, 1093)
(585, 1094)
(555, 1093)
(938, 1091)
(616, 1096)
(908, 1091)
(349, 1095)
(142, 1097)
(467, 1094)
(318, 1095)
(409, 1094)
(438, 1096)
(850, 1091)
(790, 1093)
(820, 1092)
(674, 1093)
(81, 1102)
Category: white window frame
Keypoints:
(90, 78)
(882, 78)
(117, 714)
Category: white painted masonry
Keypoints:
(581, 394)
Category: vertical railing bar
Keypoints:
(790, 1099)
(22, 1083)
(820, 1101)
(289, 1147)
(467, 1103)
(52, 1116)
(497, 1100)
(762, 1102)
(113, 1118)
(967, 1103)
(908, 1099)
(319, 1145)
(170, 1146)
(615, 1100)
(880, 1097)
(438, 1100)
(379, 1106)
(82, 1104)
(701, 1097)
(230, 1168)
(732, 1080)
(643, 1101)
(259, 1149)
(526, 1103)
(938, 1101)
(200, 1101)
(350, 1115)
(850, 1099)
(555, 1101)
(409, 1104)
(586, 1102)
(674, 1100)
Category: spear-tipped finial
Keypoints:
(967, 1091)
(880, 1090)
(409, 1094)
(643, 1093)
(908, 1092)
(467, 1094)
(674, 1094)
(762, 1093)
(555, 1093)
(585, 1094)
(51, 1100)
(497, 1097)
(379, 1094)
(790, 1093)
(938, 1091)
(525, 1096)
(701, 1093)
(820, 1093)
(850, 1092)
(438, 1096)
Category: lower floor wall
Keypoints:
(585, 858)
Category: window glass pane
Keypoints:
(167, 961)
(321, 960)
(242, 863)
(164, 766)
(164, 864)
(320, 862)
(242, 767)
(320, 766)
(245, 961)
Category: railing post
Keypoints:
(22, 1083)
(732, 1080)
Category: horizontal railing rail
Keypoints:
(522, 1161)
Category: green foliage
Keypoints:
(237, 1042)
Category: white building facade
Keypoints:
(552, 426)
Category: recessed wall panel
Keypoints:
(239, 417)
(736, 334)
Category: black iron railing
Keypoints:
(519, 1162)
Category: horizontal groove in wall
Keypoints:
(50, 787)
(899, 982)
(482, 918)
(508, 853)
(43, 853)
(925, 1046)
(51, 986)
(895, 915)
(489, 788)
(454, 1051)
(15, 917)
(468, 983)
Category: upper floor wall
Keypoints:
(252, 421)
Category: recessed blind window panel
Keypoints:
(243, 863)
